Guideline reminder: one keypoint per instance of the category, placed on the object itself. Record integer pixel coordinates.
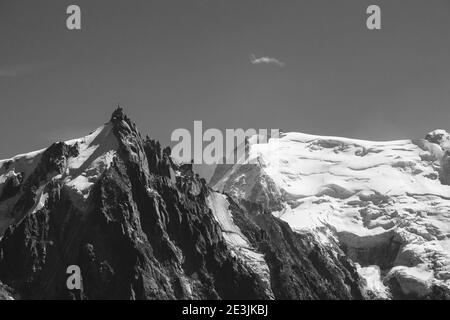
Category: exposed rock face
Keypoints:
(118, 207)
(5, 292)
(441, 138)
(300, 267)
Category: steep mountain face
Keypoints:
(385, 204)
(5, 293)
(140, 226)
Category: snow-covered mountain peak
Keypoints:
(77, 164)
(387, 203)
(140, 226)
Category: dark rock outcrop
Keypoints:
(300, 266)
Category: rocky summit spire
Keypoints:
(124, 127)
(118, 114)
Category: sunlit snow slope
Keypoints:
(94, 154)
(387, 203)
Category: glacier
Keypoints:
(387, 203)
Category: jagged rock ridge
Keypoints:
(139, 226)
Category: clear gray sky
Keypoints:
(172, 62)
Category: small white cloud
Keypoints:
(266, 60)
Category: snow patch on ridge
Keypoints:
(375, 288)
(238, 243)
(96, 153)
(20, 164)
